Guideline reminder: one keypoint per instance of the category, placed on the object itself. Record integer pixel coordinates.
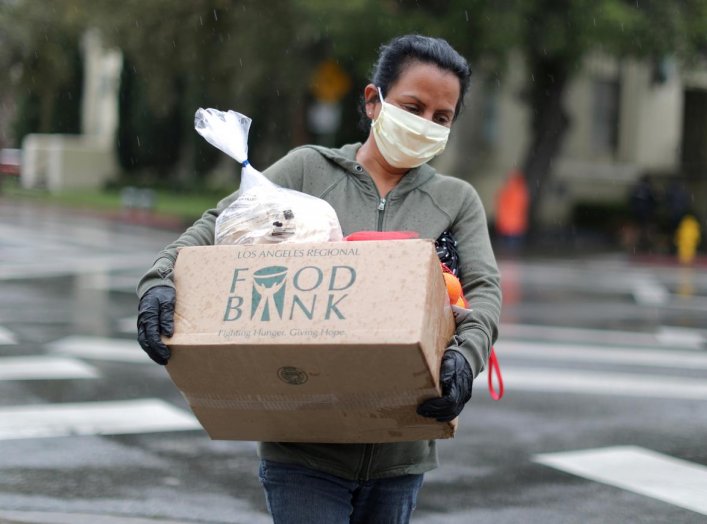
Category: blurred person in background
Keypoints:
(677, 202)
(643, 202)
(687, 238)
(512, 203)
(415, 93)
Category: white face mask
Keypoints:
(406, 140)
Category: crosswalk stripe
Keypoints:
(561, 380)
(639, 470)
(7, 337)
(100, 348)
(62, 265)
(648, 291)
(682, 338)
(127, 325)
(602, 354)
(93, 418)
(44, 368)
(33, 517)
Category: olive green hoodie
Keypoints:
(423, 201)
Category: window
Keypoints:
(605, 117)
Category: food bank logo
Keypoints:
(268, 292)
(278, 293)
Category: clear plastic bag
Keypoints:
(263, 213)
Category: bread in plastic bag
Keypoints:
(263, 212)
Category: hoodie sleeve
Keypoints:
(477, 327)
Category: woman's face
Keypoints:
(422, 89)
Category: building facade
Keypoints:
(627, 119)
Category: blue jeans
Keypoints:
(300, 495)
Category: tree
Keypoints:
(228, 54)
(148, 141)
(39, 46)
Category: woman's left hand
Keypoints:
(456, 380)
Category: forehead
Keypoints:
(427, 82)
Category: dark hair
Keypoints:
(401, 51)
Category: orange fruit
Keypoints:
(454, 287)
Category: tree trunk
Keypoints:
(46, 110)
(549, 123)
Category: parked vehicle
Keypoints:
(10, 161)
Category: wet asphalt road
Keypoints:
(600, 354)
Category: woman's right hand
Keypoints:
(156, 318)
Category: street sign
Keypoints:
(330, 82)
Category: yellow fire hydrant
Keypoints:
(687, 238)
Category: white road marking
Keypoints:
(603, 354)
(687, 339)
(32, 517)
(7, 337)
(124, 283)
(44, 368)
(93, 418)
(61, 265)
(100, 348)
(127, 325)
(647, 291)
(681, 338)
(561, 380)
(639, 470)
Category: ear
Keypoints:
(370, 95)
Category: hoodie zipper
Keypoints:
(381, 212)
(367, 462)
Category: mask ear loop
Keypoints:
(380, 97)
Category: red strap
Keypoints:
(495, 368)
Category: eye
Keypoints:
(443, 120)
(411, 109)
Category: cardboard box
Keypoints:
(335, 342)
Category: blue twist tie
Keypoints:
(245, 163)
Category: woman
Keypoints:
(415, 93)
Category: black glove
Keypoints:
(155, 318)
(456, 381)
